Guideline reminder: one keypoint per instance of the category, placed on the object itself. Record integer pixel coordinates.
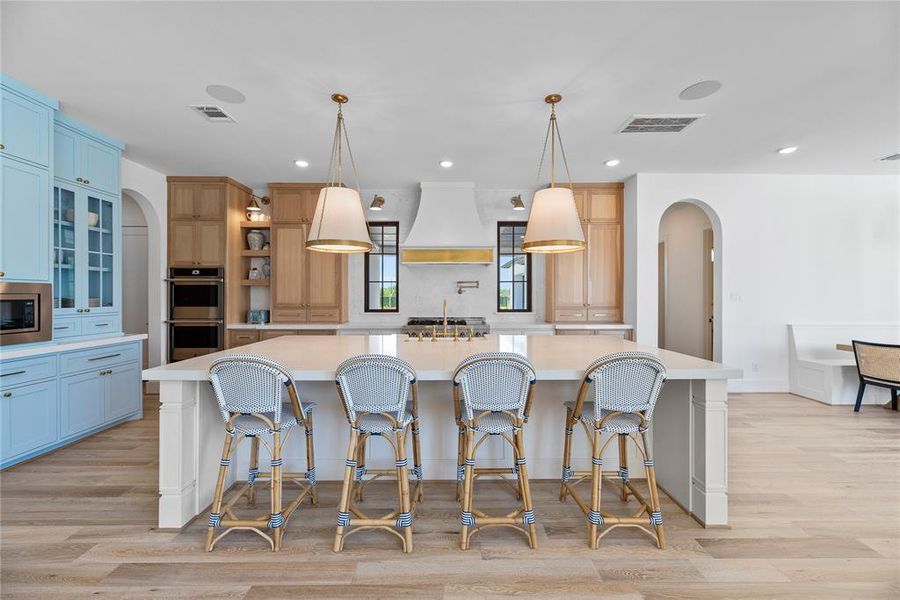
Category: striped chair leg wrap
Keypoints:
(569, 431)
(594, 517)
(520, 462)
(215, 520)
(404, 519)
(460, 472)
(277, 462)
(417, 472)
(225, 462)
(528, 517)
(566, 474)
(597, 461)
(467, 518)
(252, 475)
(276, 520)
(360, 471)
(623, 473)
(350, 463)
(343, 518)
(648, 462)
(310, 476)
(401, 463)
(309, 431)
(656, 518)
(470, 462)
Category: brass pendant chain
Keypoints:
(553, 135)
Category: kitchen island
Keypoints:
(689, 432)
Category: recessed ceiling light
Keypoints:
(612, 162)
(301, 163)
(446, 163)
(225, 94)
(700, 90)
(787, 150)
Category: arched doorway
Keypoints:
(690, 280)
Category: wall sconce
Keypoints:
(517, 203)
(377, 203)
(462, 286)
(254, 210)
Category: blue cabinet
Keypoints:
(53, 399)
(85, 157)
(27, 417)
(24, 222)
(26, 117)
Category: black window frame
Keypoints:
(528, 272)
(366, 280)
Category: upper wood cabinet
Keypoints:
(587, 286)
(198, 227)
(294, 202)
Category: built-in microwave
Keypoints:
(26, 313)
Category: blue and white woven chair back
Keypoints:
(245, 383)
(628, 382)
(375, 383)
(494, 381)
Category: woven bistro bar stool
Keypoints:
(259, 400)
(623, 390)
(380, 398)
(492, 395)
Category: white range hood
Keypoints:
(447, 229)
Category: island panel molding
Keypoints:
(689, 428)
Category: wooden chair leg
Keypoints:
(528, 515)
(623, 465)
(253, 471)
(595, 519)
(311, 459)
(467, 518)
(417, 461)
(215, 515)
(460, 461)
(894, 393)
(346, 489)
(859, 396)
(655, 508)
(567, 456)
(360, 467)
(404, 519)
(276, 521)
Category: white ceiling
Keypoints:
(465, 81)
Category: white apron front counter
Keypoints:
(689, 429)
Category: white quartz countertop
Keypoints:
(56, 347)
(561, 358)
(500, 327)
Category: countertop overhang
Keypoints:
(555, 358)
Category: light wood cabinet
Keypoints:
(587, 286)
(190, 200)
(199, 209)
(268, 334)
(242, 337)
(306, 287)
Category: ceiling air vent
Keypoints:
(657, 123)
(211, 113)
(891, 157)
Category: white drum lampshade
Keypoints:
(339, 224)
(553, 223)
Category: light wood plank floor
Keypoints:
(815, 513)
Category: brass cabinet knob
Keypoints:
(7, 394)
(2, 147)
(87, 310)
(80, 310)
(87, 180)
(79, 180)
(2, 273)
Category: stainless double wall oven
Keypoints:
(196, 312)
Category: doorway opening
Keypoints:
(135, 265)
(689, 281)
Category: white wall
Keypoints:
(682, 229)
(793, 248)
(148, 188)
(135, 261)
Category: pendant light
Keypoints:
(339, 223)
(553, 223)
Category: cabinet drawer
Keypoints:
(604, 315)
(324, 315)
(242, 337)
(268, 334)
(289, 315)
(27, 418)
(570, 314)
(27, 370)
(98, 358)
(66, 327)
(317, 332)
(100, 324)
